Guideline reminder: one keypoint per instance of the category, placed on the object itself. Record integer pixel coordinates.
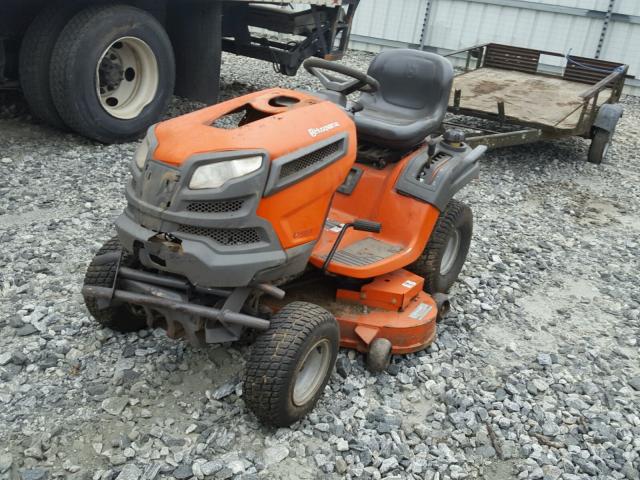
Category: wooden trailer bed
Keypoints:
(530, 98)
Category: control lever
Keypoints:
(431, 149)
(432, 143)
(366, 226)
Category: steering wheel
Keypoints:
(357, 80)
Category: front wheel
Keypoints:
(101, 272)
(112, 72)
(290, 364)
(442, 259)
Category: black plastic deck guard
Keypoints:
(182, 307)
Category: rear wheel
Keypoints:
(101, 273)
(442, 259)
(35, 59)
(599, 148)
(112, 72)
(290, 363)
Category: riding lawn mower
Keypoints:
(315, 220)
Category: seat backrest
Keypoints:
(413, 83)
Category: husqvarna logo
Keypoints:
(314, 132)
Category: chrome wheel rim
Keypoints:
(450, 253)
(311, 372)
(127, 78)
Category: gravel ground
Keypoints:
(535, 373)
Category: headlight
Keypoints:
(141, 154)
(215, 175)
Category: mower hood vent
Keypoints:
(296, 166)
(311, 159)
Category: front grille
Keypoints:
(222, 206)
(312, 158)
(225, 236)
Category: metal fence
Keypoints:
(606, 29)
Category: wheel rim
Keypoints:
(311, 372)
(126, 78)
(450, 253)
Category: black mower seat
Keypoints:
(412, 99)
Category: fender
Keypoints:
(608, 116)
(450, 171)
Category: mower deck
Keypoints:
(392, 306)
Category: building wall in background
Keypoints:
(607, 29)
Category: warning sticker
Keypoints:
(409, 284)
(421, 311)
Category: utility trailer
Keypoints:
(107, 68)
(526, 102)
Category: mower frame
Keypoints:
(180, 304)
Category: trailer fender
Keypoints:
(608, 116)
(438, 183)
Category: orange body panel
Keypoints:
(406, 222)
(298, 212)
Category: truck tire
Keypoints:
(442, 259)
(122, 317)
(112, 72)
(291, 363)
(35, 59)
(599, 146)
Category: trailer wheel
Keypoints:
(35, 59)
(290, 364)
(112, 72)
(600, 144)
(124, 317)
(442, 259)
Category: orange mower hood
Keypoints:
(278, 121)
